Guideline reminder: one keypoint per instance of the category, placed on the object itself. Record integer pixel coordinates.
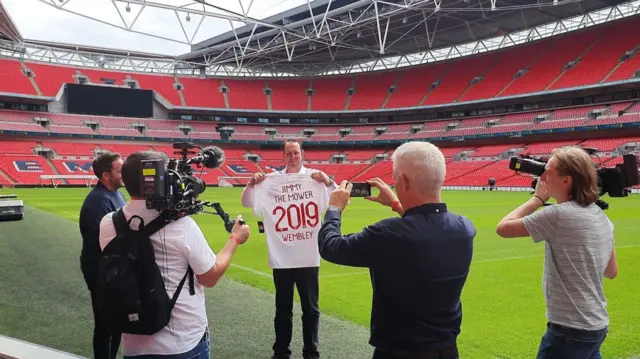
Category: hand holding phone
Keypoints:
(360, 189)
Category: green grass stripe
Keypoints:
(44, 298)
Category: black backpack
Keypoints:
(131, 294)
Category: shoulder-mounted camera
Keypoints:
(172, 189)
(615, 181)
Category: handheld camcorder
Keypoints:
(172, 189)
(612, 180)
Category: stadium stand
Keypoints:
(372, 90)
(457, 78)
(330, 94)
(496, 79)
(413, 86)
(163, 85)
(25, 169)
(466, 165)
(246, 94)
(67, 124)
(51, 77)
(602, 57)
(199, 93)
(13, 80)
(289, 95)
(546, 69)
(584, 57)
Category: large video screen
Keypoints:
(109, 101)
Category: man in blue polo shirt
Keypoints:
(418, 262)
(104, 198)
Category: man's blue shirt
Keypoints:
(418, 265)
(96, 205)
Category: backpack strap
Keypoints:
(192, 290)
(120, 223)
(153, 227)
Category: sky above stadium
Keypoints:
(40, 20)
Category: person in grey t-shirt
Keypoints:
(579, 252)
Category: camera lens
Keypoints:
(199, 186)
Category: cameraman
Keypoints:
(579, 251)
(418, 262)
(179, 245)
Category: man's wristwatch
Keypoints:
(333, 208)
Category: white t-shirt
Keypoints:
(178, 245)
(292, 207)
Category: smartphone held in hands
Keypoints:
(360, 189)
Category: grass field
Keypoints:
(504, 314)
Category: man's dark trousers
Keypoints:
(306, 280)
(450, 352)
(105, 343)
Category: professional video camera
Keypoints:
(612, 180)
(173, 190)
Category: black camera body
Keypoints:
(172, 189)
(612, 180)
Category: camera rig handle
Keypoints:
(228, 223)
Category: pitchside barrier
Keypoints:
(504, 189)
(11, 348)
(231, 181)
(487, 188)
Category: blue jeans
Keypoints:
(560, 342)
(201, 351)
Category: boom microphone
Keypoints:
(211, 157)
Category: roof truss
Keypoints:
(274, 50)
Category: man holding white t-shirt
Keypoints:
(291, 202)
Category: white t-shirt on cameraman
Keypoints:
(178, 245)
(292, 207)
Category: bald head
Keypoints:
(423, 166)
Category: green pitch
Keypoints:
(44, 300)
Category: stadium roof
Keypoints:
(321, 37)
(8, 30)
(323, 33)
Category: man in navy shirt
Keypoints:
(104, 198)
(418, 262)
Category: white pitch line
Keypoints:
(628, 246)
(535, 256)
(336, 275)
(251, 270)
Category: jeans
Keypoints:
(306, 280)
(201, 351)
(566, 343)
